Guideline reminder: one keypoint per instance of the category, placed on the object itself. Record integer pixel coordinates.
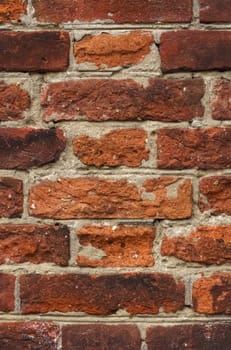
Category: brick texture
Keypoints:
(121, 246)
(221, 104)
(170, 197)
(11, 10)
(11, 197)
(215, 11)
(7, 285)
(107, 99)
(101, 295)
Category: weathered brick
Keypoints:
(101, 336)
(195, 50)
(7, 284)
(212, 295)
(221, 104)
(11, 197)
(215, 11)
(110, 99)
(11, 10)
(206, 244)
(41, 51)
(118, 11)
(116, 246)
(101, 294)
(108, 50)
(66, 198)
(194, 148)
(28, 336)
(215, 194)
(209, 336)
(34, 243)
(21, 148)
(14, 101)
(118, 147)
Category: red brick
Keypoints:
(194, 148)
(28, 336)
(108, 50)
(26, 147)
(118, 11)
(11, 10)
(122, 245)
(14, 101)
(210, 336)
(212, 295)
(11, 197)
(206, 244)
(101, 336)
(95, 198)
(221, 104)
(118, 147)
(101, 294)
(215, 11)
(110, 99)
(189, 50)
(41, 51)
(34, 243)
(215, 194)
(7, 284)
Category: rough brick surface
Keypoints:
(215, 194)
(221, 104)
(102, 294)
(121, 246)
(21, 148)
(11, 197)
(110, 99)
(108, 50)
(194, 148)
(7, 284)
(14, 101)
(41, 51)
(34, 243)
(101, 336)
(212, 295)
(195, 50)
(118, 147)
(215, 11)
(208, 245)
(67, 198)
(28, 336)
(11, 10)
(118, 11)
(209, 336)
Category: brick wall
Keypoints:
(115, 174)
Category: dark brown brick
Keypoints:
(194, 148)
(101, 336)
(212, 295)
(34, 243)
(27, 147)
(123, 245)
(189, 50)
(209, 336)
(101, 294)
(110, 99)
(215, 11)
(11, 10)
(206, 244)
(11, 197)
(14, 101)
(118, 11)
(96, 198)
(118, 147)
(41, 51)
(221, 104)
(7, 284)
(215, 194)
(29, 336)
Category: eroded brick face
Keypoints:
(221, 103)
(11, 197)
(12, 10)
